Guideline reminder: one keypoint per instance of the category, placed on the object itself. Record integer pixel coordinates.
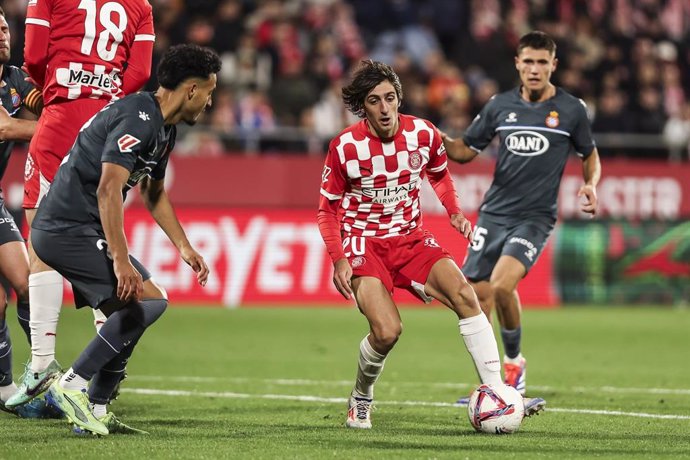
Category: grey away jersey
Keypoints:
(128, 132)
(14, 90)
(535, 141)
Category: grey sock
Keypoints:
(123, 327)
(23, 317)
(511, 341)
(5, 355)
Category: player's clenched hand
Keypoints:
(590, 202)
(196, 261)
(130, 285)
(463, 225)
(342, 277)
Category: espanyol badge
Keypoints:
(16, 99)
(415, 160)
(552, 120)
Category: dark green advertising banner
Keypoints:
(622, 262)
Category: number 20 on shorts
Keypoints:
(354, 245)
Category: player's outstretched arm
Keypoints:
(157, 202)
(591, 172)
(456, 149)
(130, 285)
(15, 129)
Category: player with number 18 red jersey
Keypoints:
(83, 54)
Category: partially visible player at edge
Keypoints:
(369, 218)
(79, 227)
(538, 125)
(15, 92)
(83, 55)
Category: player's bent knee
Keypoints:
(152, 310)
(501, 292)
(465, 302)
(153, 290)
(387, 336)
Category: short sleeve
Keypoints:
(38, 12)
(582, 138)
(483, 128)
(145, 30)
(128, 137)
(333, 180)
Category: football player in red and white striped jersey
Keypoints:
(370, 219)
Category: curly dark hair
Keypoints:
(369, 74)
(181, 62)
(537, 40)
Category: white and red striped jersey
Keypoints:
(378, 181)
(88, 45)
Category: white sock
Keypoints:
(7, 391)
(480, 341)
(98, 319)
(72, 381)
(45, 295)
(99, 410)
(368, 370)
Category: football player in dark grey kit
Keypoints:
(78, 229)
(538, 125)
(15, 92)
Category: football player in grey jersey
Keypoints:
(538, 125)
(78, 229)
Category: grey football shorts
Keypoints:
(493, 238)
(8, 228)
(85, 262)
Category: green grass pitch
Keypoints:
(272, 383)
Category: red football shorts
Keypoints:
(398, 261)
(56, 131)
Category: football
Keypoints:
(496, 409)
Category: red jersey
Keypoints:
(378, 181)
(88, 48)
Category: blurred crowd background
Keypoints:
(284, 62)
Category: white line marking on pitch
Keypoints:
(227, 394)
(459, 385)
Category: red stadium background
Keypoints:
(254, 221)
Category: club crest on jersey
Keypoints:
(16, 98)
(29, 167)
(126, 142)
(414, 160)
(552, 120)
(358, 261)
(431, 242)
